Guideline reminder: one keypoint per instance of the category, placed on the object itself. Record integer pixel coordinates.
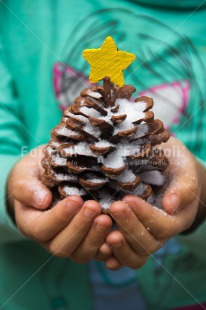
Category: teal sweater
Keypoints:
(170, 45)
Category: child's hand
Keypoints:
(71, 229)
(143, 229)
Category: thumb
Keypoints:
(24, 182)
(33, 193)
(179, 194)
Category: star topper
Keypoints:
(108, 61)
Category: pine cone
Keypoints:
(104, 149)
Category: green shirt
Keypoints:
(170, 45)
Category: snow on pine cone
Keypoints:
(104, 149)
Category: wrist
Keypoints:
(199, 219)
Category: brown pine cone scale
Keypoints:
(103, 148)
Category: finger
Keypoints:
(138, 236)
(31, 192)
(44, 225)
(160, 224)
(112, 263)
(123, 252)
(104, 252)
(182, 173)
(156, 221)
(96, 236)
(25, 184)
(66, 242)
(178, 196)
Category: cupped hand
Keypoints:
(143, 228)
(71, 229)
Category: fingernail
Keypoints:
(121, 215)
(77, 199)
(118, 207)
(89, 213)
(174, 203)
(115, 246)
(40, 196)
(100, 228)
(72, 206)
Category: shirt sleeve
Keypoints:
(12, 139)
(196, 241)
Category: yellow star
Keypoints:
(108, 61)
